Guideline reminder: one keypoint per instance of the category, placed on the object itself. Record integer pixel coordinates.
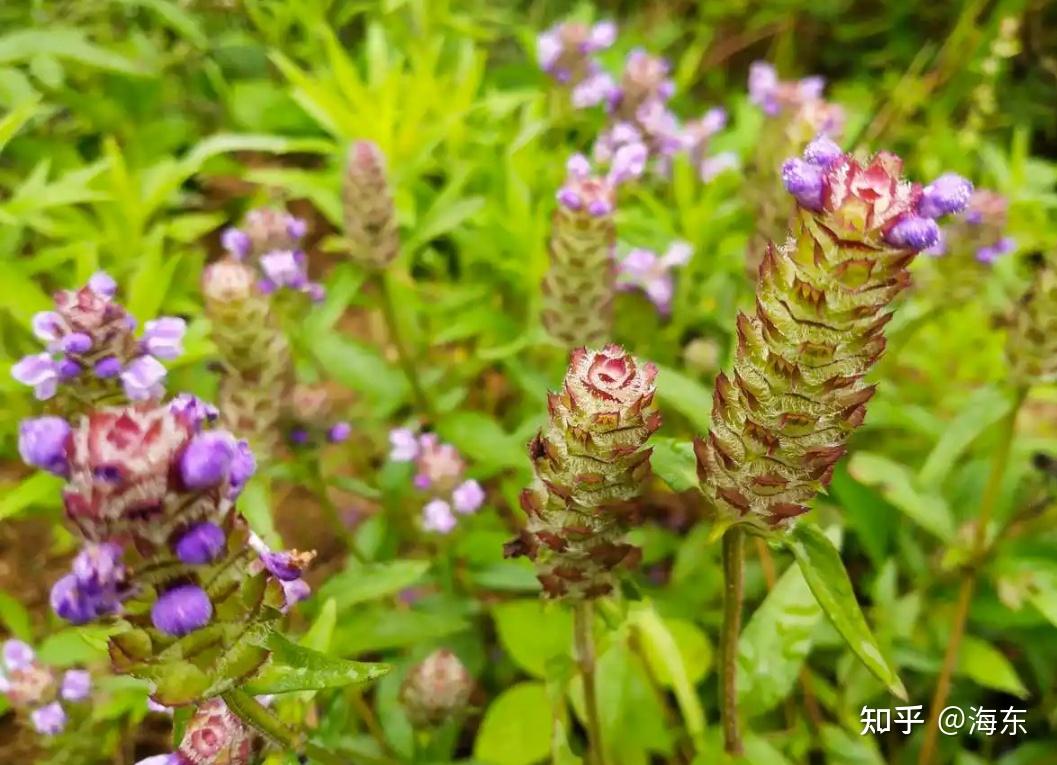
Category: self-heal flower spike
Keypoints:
(782, 419)
(436, 689)
(578, 288)
(213, 736)
(367, 204)
(254, 354)
(590, 462)
(93, 356)
(566, 52)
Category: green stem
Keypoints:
(584, 640)
(999, 463)
(407, 360)
(733, 590)
(264, 721)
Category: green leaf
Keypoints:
(255, 504)
(65, 43)
(516, 729)
(678, 654)
(686, 395)
(15, 617)
(821, 566)
(294, 667)
(898, 485)
(674, 463)
(362, 369)
(40, 488)
(14, 120)
(481, 438)
(872, 518)
(374, 630)
(982, 409)
(320, 634)
(985, 665)
(533, 632)
(775, 643)
(442, 218)
(361, 582)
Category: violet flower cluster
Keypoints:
(39, 691)
(586, 191)
(905, 213)
(92, 351)
(799, 102)
(440, 472)
(637, 103)
(979, 231)
(645, 270)
(271, 239)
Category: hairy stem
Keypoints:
(407, 360)
(583, 637)
(733, 578)
(999, 462)
(264, 721)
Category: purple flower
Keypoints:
(102, 284)
(437, 516)
(822, 151)
(207, 459)
(283, 268)
(804, 181)
(296, 227)
(763, 82)
(299, 436)
(403, 445)
(181, 610)
(243, 466)
(76, 685)
(287, 565)
(339, 431)
(467, 497)
(99, 569)
(236, 241)
(71, 603)
(17, 655)
(810, 88)
(295, 591)
(990, 253)
(602, 35)
(628, 162)
(162, 337)
(39, 371)
(42, 443)
(49, 720)
(68, 369)
(47, 326)
(108, 367)
(548, 49)
(142, 378)
(76, 342)
(316, 292)
(711, 167)
(946, 195)
(200, 544)
(593, 90)
(193, 409)
(913, 232)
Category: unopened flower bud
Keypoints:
(42, 443)
(436, 690)
(200, 544)
(590, 463)
(181, 610)
(370, 218)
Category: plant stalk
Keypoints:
(733, 591)
(264, 721)
(407, 360)
(999, 463)
(584, 640)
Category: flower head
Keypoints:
(76, 685)
(645, 270)
(436, 689)
(49, 720)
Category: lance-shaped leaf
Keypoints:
(296, 668)
(824, 572)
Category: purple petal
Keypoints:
(163, 337)
(142, 378)
(237, 242)
(108, 367)
(803, 181)
(182, 610)
(47, 325)
(102, 284)
(207, 459)
(42, 443)
(437, 516)
(946, 195)
(202, 543)
(17, 655)
(467, 497)
(49, 720)
(76, 685)
(913, 233)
